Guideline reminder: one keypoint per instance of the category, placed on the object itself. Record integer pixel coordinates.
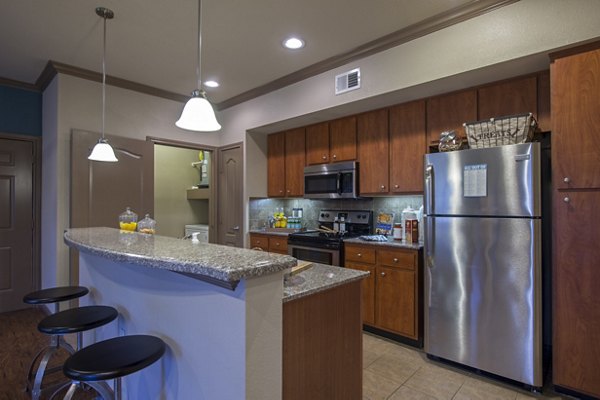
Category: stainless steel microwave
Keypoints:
(331, 181)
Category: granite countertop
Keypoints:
(222, 265)
(317, 278)
(389, 243)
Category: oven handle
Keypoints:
(339, 183)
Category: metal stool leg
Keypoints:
(34, 382)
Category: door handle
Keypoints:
(236, 228)
(429, 189)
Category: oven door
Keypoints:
(314, 254)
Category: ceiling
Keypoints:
(154, 42)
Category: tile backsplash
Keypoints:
(261, 209)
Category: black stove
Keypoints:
(327, 247)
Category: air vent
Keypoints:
(347, 81)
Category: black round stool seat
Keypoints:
(55, 294)
(114, 358)
(77, 319)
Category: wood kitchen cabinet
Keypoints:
(286, 158)
(408, 145)
(391, 298)
(373, 152)
(270, 243)
(331, 141)
(449, 112)
(515, 96)
(575, 84)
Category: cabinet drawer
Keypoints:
(259, 242)
(278, 244)
(395, 258)
(360, 254)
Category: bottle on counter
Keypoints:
(397, 231)
(342, 224)
(336, 224)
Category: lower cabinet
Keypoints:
(270, 243)
(391, 294)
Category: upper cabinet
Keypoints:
(516, 96)
(331, 141)
(576, 121)
(373, 152)
(285, 163)
(408, 145)
(449, 112)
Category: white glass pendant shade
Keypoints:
(198, 115)
(103, 152)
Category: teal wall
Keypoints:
(20, 111)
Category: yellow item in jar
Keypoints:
(128, 226)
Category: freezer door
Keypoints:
(498, 181)
(483, 294)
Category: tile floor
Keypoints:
(393, 371)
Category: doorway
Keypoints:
(20, 184)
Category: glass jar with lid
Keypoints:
(128, 220)
(147, 225)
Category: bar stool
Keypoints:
(111, 359)
(75, 320)
(48, 296)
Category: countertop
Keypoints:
(219, 264)
(389, 243)
(271, 231)
(317, 278)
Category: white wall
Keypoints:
(74, 103)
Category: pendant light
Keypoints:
(198, 114)
(102, 150)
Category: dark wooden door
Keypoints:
(576, 280)
(408, 145)
(100, 191)
(230, 205)
(276, 165)
(368, 292)
(395, 300)
(517, 96)
(317, 144)
(342, 138)
(576, 121)
(295, 161)
(17, 274)
(373, 152)
(449, 112)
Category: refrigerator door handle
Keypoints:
(429, 189)
(429, 256)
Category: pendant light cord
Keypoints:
(104, 77)
(198, 70)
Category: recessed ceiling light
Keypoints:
(211, 84)
(293, 43)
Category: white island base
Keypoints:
(222, 344)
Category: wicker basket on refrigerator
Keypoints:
(512, 129)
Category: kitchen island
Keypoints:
(219, 309)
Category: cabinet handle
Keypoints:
(359, 255)
(281, 191)
(382, 187)
(383, 274)
(567, 179)
(334, 156)
(395, 260)
(277, 244)
(567, 199)
(324, 157)
(396, 186)
(288, 190)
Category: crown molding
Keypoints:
(52, 68)
(18, 84)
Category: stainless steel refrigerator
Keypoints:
(483, 260)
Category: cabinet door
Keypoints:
(373, 152)
(576, 121)
(278, 244)
(317, 144)
(276, 165)
(449, 112)
(342, 135)
(508, 98)
(395, 300)
(295, 160)
(576, 279)
(368, 292)
(408, 145)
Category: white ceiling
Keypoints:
(153, 42)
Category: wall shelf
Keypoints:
(198, 194)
